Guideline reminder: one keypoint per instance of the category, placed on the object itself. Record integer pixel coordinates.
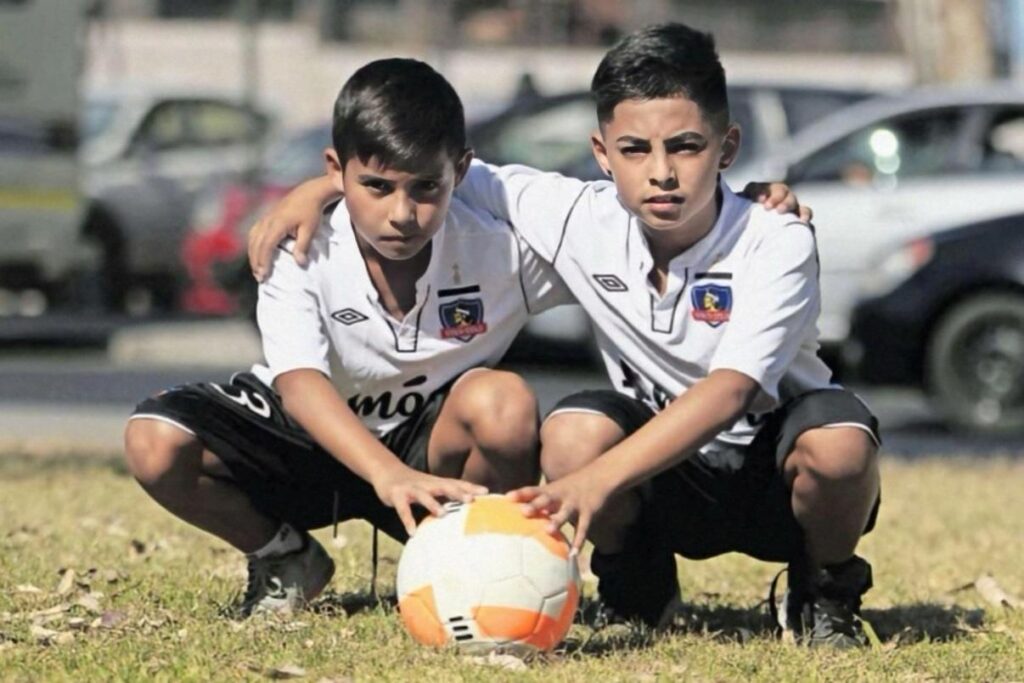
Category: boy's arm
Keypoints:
(296, 349)
(310, 398)
(296, 215)
(776, 302)
(695, 418)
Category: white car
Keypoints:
(881, 172)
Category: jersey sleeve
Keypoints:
(288, 314)
(537, 204)
(543, 288)
(776, 302)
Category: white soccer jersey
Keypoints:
(743, 298)
(480, 287)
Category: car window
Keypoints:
(551, 139)
(298, 157)
(804, 107)
(220, 123)
(1003, 142)
(915, 145)
(164, 127)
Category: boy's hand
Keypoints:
(777, 196)
(574, 499)
(403, 487)
(296, 215)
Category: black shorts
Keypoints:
(284, 472)
(734, 498)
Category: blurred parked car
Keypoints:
(146, 156)
(884, 171)
(213, 251)
(947, 314)
(552, 133)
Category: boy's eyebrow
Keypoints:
(685, 136)
(632, 139)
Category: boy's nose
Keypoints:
(403, 212)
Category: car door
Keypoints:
(888, 180)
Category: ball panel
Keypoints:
(419, 614)
(505, 624)
(499, 515)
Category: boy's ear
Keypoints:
(335, 169)
(600, 151)
(462, 165)
(730, 146)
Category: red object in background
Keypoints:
(222, 242)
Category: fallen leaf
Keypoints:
(42, 635)
(90, 602)
(110, 619)
(285, 672)
(990, 589)
(64, 638)
(26, 588)
(502, 661)
(50, 611)
(67, 582)
(112, 576)
(77, 624)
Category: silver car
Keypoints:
(146, 155)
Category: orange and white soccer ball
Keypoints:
(485, 577)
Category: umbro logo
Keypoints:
(348, 316)
(611, 283)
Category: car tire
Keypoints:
(974, 366)
(112, 277)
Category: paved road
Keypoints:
(80, 398)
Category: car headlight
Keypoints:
(896, 267)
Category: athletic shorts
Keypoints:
(732, 498)
(282, 470)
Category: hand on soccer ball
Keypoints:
(403, 487)
(574, 499)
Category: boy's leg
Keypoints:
(225, 458)
(636, 570)
(193, 484)
(486, 432)
(833, 476)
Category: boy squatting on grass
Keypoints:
(724, 431)
(419, 295)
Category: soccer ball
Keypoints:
(486, 577)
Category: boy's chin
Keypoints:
(399, 251)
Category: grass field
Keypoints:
(97, 584)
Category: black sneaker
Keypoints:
(823, 607)
(634, 586)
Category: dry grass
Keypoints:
(147, 596)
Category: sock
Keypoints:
(285, 540)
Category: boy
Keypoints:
(724, 432)
(418, 295)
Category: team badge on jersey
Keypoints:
(462, 319)
(711, 304)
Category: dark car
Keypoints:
(952, 323)
(551, 132)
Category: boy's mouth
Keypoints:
(665, 199)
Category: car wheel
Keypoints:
(111, 278)
(975, 363)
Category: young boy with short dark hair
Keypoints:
(419, 296)
(724, 431)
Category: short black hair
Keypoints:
(399, 111)
(663, 60)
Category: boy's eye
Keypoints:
(427, 185)
(376, 185)
(685, 147)
(633, 150)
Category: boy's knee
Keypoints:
(154, 450)
(834, 455)
(500, 411)
(571, 440)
